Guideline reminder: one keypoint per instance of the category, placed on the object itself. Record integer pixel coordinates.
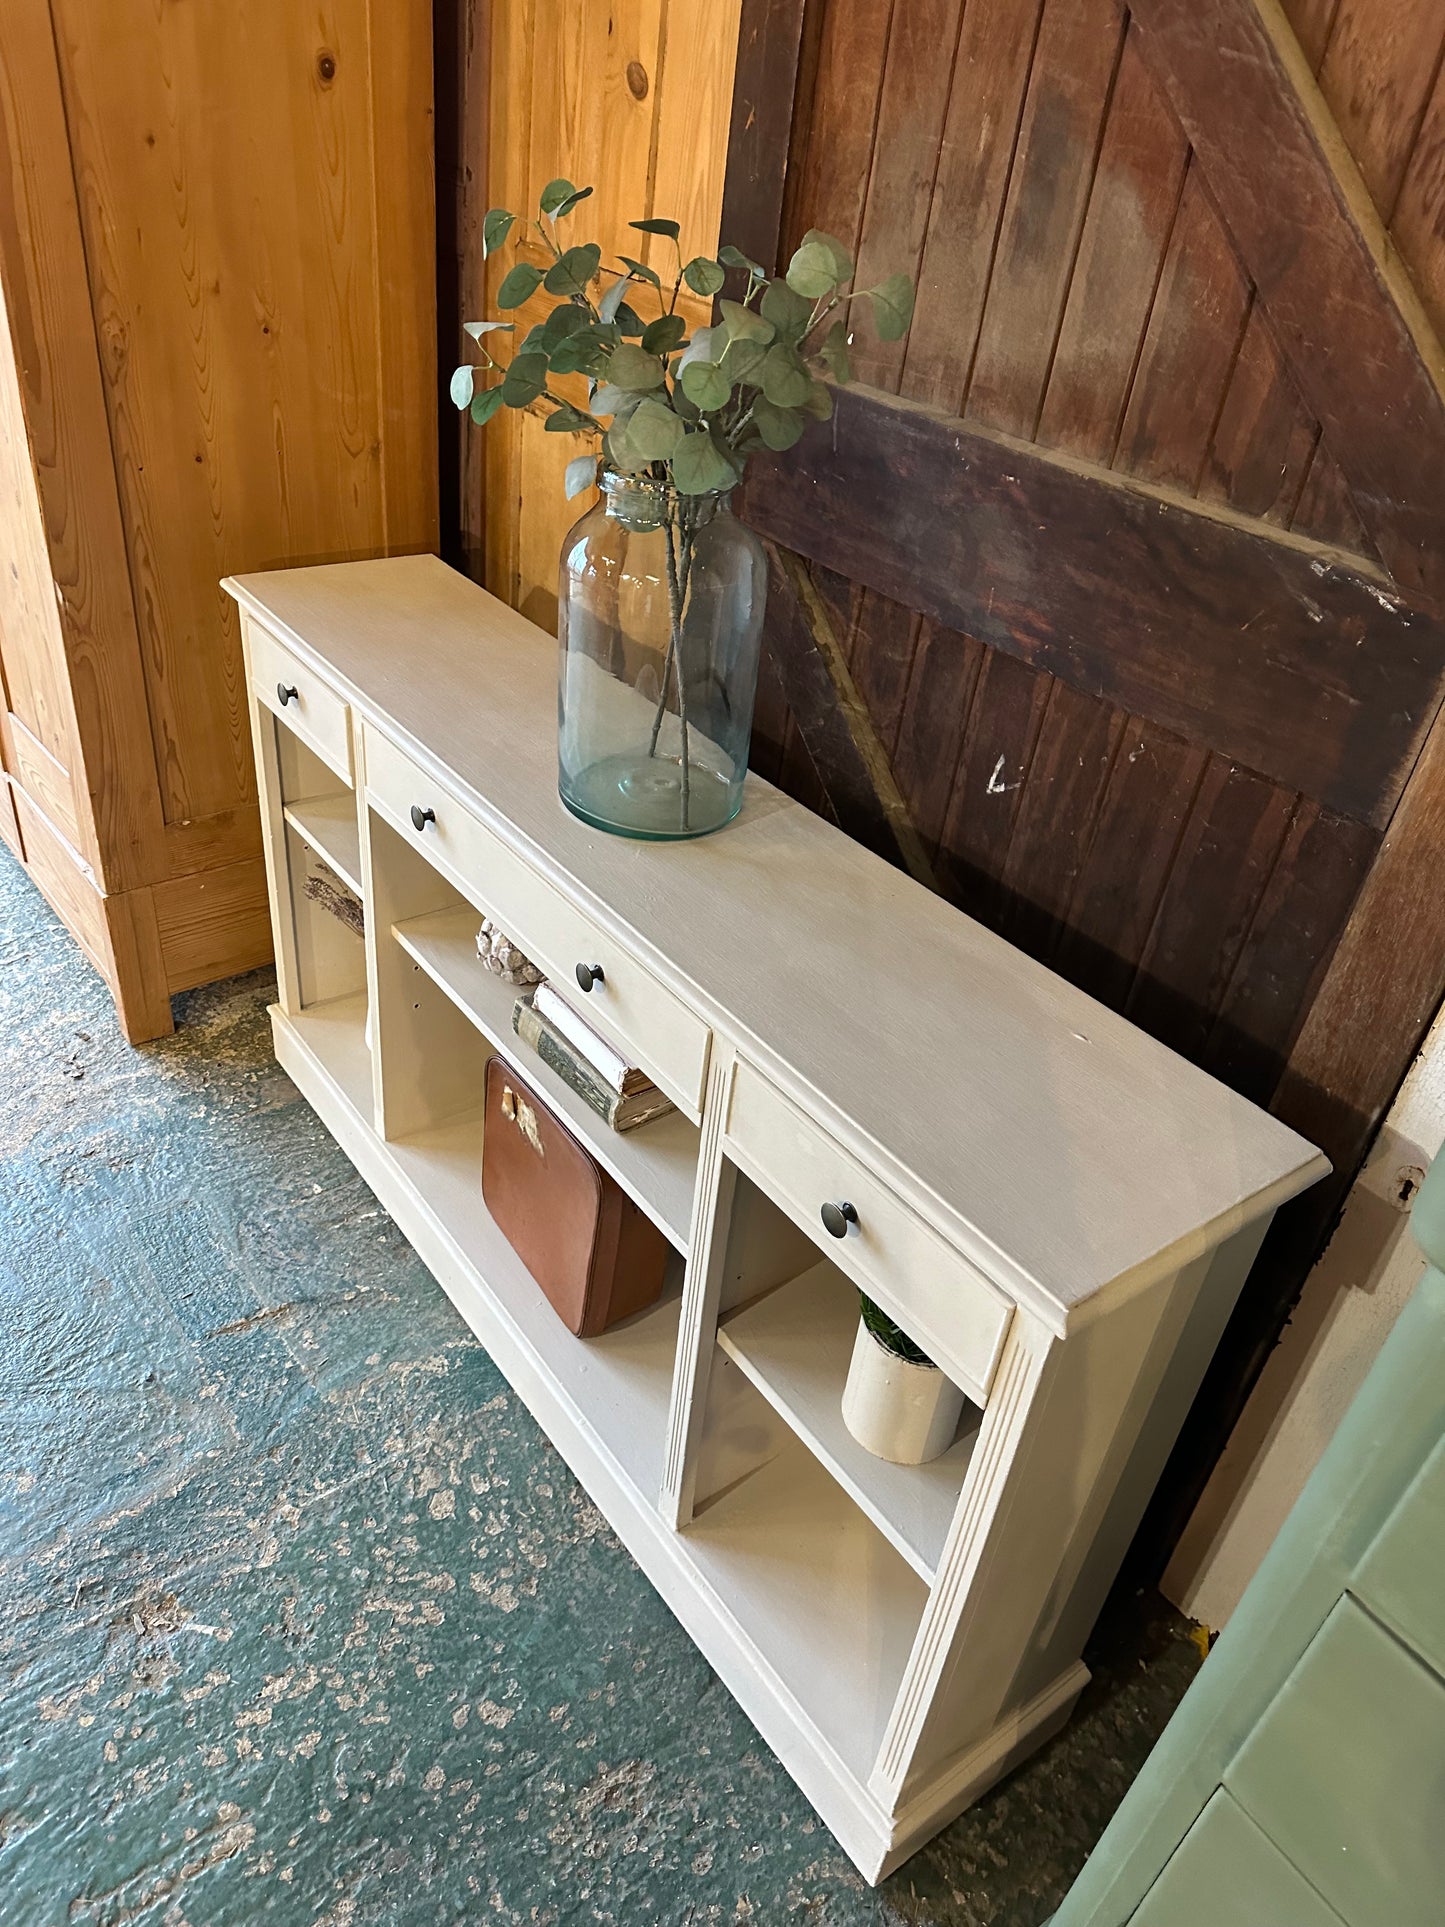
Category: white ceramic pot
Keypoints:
(899, 1411)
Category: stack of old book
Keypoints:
(621, 1095)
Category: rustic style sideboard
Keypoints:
(1058, 1208)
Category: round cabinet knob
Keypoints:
(589, 974)
(420, 817)
(284, 694)
(838, 1217)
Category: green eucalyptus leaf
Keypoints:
(631, 367)
(698, 465)
(640, 271)
(704, 276)
(841, 258)
(581, 474)
(742, 359)
(835, 353)
(476, 329)
(707, 344)
(554, 194)
(464, 380)
(742, 324)
(612, 300)
(788, 311)
(534, 342)
(618, 450)
(609, 399)
(578, 354)
(567, 420)
(812, 272)
(497, 224)
(785, 381)
(669, 228)
(664, 336)
(777, 427)
(654, 431)
(688, 409)
(485, 405)
(524, 380)
(704, 383)
(519, 284)
(629, 321)
(574, 271)
(893, 307)
(819, 405)
(565, 319)
(732, 257)
(570, 202)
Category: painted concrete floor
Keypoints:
(301, 1618)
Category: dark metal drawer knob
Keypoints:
(589, 974)
(285, 694)
(838, 1217)
(420, 817)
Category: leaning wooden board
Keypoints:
(1060, 1206)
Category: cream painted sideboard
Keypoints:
(1058, 1208)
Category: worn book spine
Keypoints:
(621, 1113)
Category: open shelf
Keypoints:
(794, 1346)
(327, 824)
(656, 1164)
(826, 1600)
(620, 1384)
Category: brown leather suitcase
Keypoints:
(594, 1254)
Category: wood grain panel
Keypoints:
(1380, 63)
(990, 76)
(1131, 213)
(255, 237)
(1263, 441)
(1073, 71)
(1419, 224)
(912, 104)
(829, 176)
(1000, 737)
(1195, 328)
(942, 679)
(43, 268)
(1314, 247)
(1242, 641)
(209, 925)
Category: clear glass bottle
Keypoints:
(659, 620)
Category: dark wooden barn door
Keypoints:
(1111, 605)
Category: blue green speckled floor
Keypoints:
(301, 1619)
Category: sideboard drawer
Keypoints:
(306, 704)
(627, 1003)
(939, 1298)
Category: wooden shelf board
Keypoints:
(656, 1165)
(327, 825)
(620, 1383)
(794, 1345)
(827, 1601)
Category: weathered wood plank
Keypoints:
(1073, 69)
(1263, 441)
(1360, 344)
(999, 741)
(1194, 333)
(1258, 645)
(769, 42)
(941, 684)
(1376, 75)
(1131, 213)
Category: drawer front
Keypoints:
(315, 712)
(938, 1297)
(628, 1005)
(1402, 1577)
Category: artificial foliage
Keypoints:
(669, 406)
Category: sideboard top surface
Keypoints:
(1064, 1146)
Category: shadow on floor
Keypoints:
(304, 1621)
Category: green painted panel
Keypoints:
(1226, 1874)
(1402, 1576)
(1427, 1217)
(1346, 1774)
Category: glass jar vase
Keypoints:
(659, 619)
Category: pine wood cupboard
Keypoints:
(1056, 1206)
(217, 292)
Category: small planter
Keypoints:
(897, 1409)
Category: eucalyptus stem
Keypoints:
(677, 587)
